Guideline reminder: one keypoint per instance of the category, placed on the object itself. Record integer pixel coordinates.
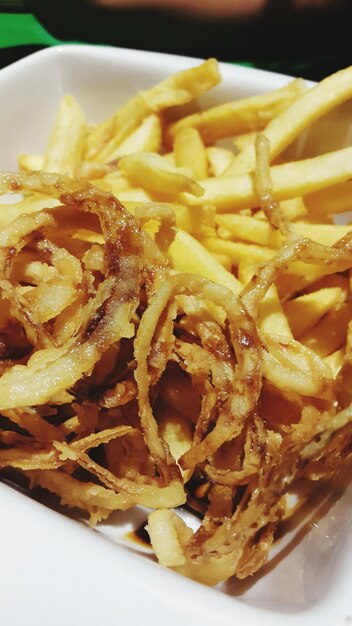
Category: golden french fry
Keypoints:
(238, 251)
(152, 172)
(330, 333)
(174, 90)
(258, 231)
(293, 209)
(240, 116)
(219, 159)
(303, 112)
(115, 183)
(224, 260)
(334, 199)
(272, 319)
(190, 153)
(134, 195)
(242, 141)
(305, 311)
(289, 180)
(9, 212)
(186, 254)
(65, 149)
(145, 138)
(30, 162)
(249, 229)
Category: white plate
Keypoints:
(55, 570)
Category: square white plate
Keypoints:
(55, 570)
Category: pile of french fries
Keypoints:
(235, 382)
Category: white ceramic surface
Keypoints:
(55, 570)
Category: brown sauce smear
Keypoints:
(140, 536)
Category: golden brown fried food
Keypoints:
(156, 352)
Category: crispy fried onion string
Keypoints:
(130, 384)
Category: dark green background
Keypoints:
(311, 45)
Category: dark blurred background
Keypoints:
(310, 42)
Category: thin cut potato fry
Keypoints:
(135, 195)
(175, 90)
(150, 170)
(194, 344)
(242, 141)
(272, 319)
(9, 212)
(240, 116)
(303, 112)
(146, 138)
(65, 149)
(334, 199)
(238, 250)
(271, 315)
(330, 333)
(219, 159)
(190, 153)
(304, 312)
(224, 260)
(293, 209)
(289, 180)
(257, 231)
(188, 255)
(30, 162)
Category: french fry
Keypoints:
(151, 171)
(186, 254)
(303, 112)
(190, 153)
(238, 251)
(250, 229)
(145, 138)
(289, 181)
(30, 162)
(257, 231)
(219, 159)
(178, 89)
(330, 333)
(233, 118)
(272, 319)
(305, 311)
(333, 200)
(9, 212)
(135, 195)
(293, 209)
(116, 182)
(224, 260)
(65, 149)
(242, 141)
